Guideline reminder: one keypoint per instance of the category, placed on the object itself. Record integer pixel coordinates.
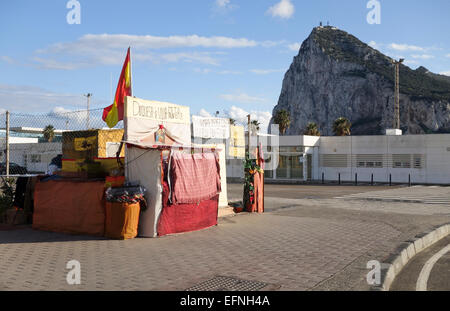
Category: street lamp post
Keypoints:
(88, 95)
(397, 93)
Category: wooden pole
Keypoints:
(248, 135)
(7, 144)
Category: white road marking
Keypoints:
(422, 281)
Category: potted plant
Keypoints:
(6, 198)
(251, 168)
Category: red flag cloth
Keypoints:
(114, 113)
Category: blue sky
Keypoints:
(212, 55)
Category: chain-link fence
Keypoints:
(38, 143)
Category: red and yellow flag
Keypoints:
(114, 113)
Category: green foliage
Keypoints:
(49, 133)
(6, 195)
(255, 127)
(312, 129)
(341, 127)
(283, 119)
(250, 167)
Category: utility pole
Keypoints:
(88, 95)
(7, 144)
(248, 135)
(397, 93)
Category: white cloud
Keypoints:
(109, 49)
(294, 47)
(406, 47)
(242, 98)
(264, 71)
(225, 5)
(222, 3)
(7, 59)
(422, 56)
(445, 73)
(31, 99)
(240, 115)
(284, 9)
(204, 113)
(373, 44)
(90, 42)
(448, 55)
(409, 62)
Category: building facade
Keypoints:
(423, 159)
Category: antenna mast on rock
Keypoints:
(397, 93)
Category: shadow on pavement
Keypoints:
(25, 234)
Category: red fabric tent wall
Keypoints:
(186, 217)
(70, 207)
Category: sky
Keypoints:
(211, 55)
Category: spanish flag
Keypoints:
(114, 113)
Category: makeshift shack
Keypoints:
(182, 181)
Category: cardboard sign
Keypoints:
(237, 141)
(211, 127)
(144, 119)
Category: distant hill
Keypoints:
(335, 74)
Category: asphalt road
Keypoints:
(307, 191)
(351, 202)
(438, 279)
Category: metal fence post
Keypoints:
(371, 181)
(339, 178)
(356, 179)
(390, 179)
(323, 178)
(409, 180)
(7, 144)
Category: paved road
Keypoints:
(306, 191)
(301, 243)
(437, 279)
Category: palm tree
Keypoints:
(312, 130)
(283, 119)
(232, 121)
(49, 133)
(255, 127)
(341, 127)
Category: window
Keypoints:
(401, 161)
(418, 161)
(333, 160)
(35, 158)
(369, 160)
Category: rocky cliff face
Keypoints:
(336, 75)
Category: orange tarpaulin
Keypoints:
(70, 207)
(122, 220)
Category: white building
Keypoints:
(423, 159)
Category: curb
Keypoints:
(405, 252)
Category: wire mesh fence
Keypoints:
(36, 142)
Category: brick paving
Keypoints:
(314, 244)
(291, 252)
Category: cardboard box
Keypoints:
(88, 145)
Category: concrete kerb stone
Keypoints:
(406, 252)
